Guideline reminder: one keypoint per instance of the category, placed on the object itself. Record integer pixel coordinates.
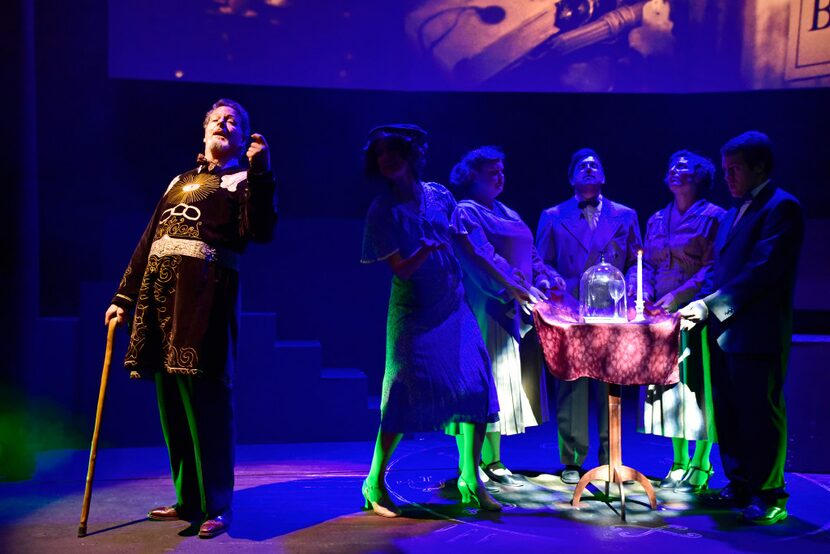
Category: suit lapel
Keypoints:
(609, 222)
(727, 223)
(750, 214)
(573, 222)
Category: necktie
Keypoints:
(590, 213)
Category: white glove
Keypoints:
(693, 314)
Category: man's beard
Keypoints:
(219, 147)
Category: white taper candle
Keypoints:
(640, 304)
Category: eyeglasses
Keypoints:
(680, 166)
(587, 164)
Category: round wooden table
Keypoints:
(633, 353)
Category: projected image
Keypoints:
(500, 45)
(625, 45)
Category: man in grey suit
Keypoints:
(747, 299)
(572, 237)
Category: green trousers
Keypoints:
(197, 420)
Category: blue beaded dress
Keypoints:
(437, 368)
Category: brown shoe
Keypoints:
(214, 526)
(167, 513)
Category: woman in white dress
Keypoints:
(500, 237)
(679, 248)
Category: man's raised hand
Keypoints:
(259, 156)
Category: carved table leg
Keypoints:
(595, 473)
(614, 471)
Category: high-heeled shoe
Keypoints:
(377, 500)
(497, 472)
(686, 485)
(489, 484)
(477, 496)
(670, 482)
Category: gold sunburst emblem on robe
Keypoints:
(193, 188)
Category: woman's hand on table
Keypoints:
(537, 295)
(654, 308)
(667, 302)
(517, 292)
(543, 285)
(559, 283)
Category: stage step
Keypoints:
(343, 394)
(805, 392)
(273, 390)
(281, 391)
(373, 403)
(53, 391)
(287, 396)
(130, 410)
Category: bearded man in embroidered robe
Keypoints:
(182, 286)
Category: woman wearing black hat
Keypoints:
(437, 368)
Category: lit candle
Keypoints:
(640, 305)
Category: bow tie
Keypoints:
(207, 164)
(591, 202)
(738, 202)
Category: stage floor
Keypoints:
(306, 498)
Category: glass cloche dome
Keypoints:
(602, 294)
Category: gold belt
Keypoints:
(169, 246)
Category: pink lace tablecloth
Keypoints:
(622, 353)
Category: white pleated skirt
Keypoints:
(515, 411)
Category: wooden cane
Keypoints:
(93, 449)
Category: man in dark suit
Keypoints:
(747, 300)
(571, 238)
